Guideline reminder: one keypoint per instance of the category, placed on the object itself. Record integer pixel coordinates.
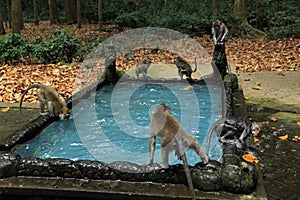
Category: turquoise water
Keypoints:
(113, 124)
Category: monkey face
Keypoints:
(64, 114)
(256, 128)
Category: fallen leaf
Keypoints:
(250, 158)
(296, 138)
(5, 110)
(273, 119)
(188, 88)
(257, 83)
(298, 123)
(255, 139)
(246, 98)
(284, 137)
(247, 79)
(256, 88)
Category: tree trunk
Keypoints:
(16, 12)
(68, 11)
(240, 11)
(36, 12)
(53, 12)
(215, 7)
(78, 13)
(154, 8)
(2, 30)
(9, 12)
(100, 20)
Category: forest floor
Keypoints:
(268, 72)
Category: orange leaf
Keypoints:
(255, 139)
(284, 137)
(246, 98)
(188, 87)
(296, 138)
(5, 110)
(298, 123)
(250, 158)
(273, 119)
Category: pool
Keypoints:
(113, 123)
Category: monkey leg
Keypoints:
(165, 156)
(197, 148)
(42, 101)
(51, 109)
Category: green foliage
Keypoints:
(278, 19)
(61, 48)
(13, 47)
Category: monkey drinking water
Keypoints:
(174, 137)
(233, 129)
(50, 98)
(184, 68)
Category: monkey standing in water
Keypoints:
(49, 97)
(142, 68)
(232, 129)
(174, 137)
(184, 68)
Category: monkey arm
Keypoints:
(224, 37)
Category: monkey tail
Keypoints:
(195, 65)
(212, 129)
(24, 93)
(186, 167)
(188, 175)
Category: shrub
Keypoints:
(61, 48)
(13, 47)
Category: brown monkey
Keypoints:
(142, 68)
(174, 137)
(232, 129)
(49, 97)
(184, 68)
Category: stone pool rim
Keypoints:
(10, 162)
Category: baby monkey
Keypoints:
(142, 68)
(174, 137)
(232, 129)
(184, 68)
(49, 97)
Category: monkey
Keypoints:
(142, 68)
(219, 32)
(232, 129)
(174, 137)
(219, 35)
(184, 68)
(49, 97)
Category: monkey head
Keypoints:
(255, 128)
(217, 24)
(64, 113)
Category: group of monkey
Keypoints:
(163, 124)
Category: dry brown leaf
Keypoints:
(284, 137)
(255, 139)
(250, 158)
(5, 110)
(273, 119)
